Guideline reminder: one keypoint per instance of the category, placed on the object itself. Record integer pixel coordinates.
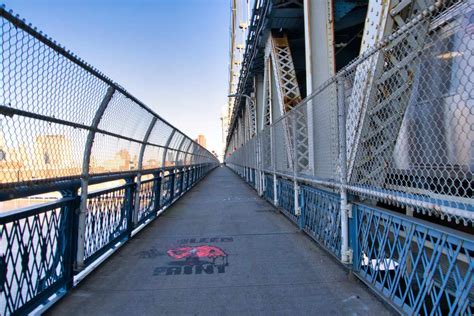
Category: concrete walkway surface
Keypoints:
(220, 250)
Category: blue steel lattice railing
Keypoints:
(420, 268)
(108, 219)
(35, 260)
(286, 198)
(38, 244)
(149, 198)
(66, 127)
(321, 217)
(269, 192)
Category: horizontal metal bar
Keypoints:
(33, 210)
(17, 22)
(438, 205)
(457, 234)
(34, 187)
(109, 190)
(10, 112)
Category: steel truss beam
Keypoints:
(289, 96)
(376, 116)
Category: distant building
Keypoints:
(49, 156)
(121, 161)
(201, 140)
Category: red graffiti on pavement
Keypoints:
(211, 252)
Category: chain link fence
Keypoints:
(402, 113)
(62, 119)
(66, 127)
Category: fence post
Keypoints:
(172, 178)
(85, 176)
(181, 181)
(157, 188)
(292, 117)
(139, 168)
(70, 231)
(260, 164)
(185, 179)
(129, 203)
(346, 254)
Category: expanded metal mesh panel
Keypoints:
(153, 157)
(416, 134)
(192, 149)
(51, 106)
(266, 147)
(404, 113)
(185, 146)
(33, 150)
(282, 133)
(325, 133)
(160, 134)
(170, 159)
(183, 151)
(251, 153)
(112, 154)
(176, 140)
(124, 117)
(302, 146)
(37, 79)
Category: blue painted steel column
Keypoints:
(128, 205)
(157, 190)
(172, 176)
(181, 179)
(71, 230)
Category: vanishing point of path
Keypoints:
(220, 250)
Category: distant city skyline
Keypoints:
(158, 53)
(201, 140)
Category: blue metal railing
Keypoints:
(321, 215)
(65, 127)
(149, 198)
(268, 191)
(420, 268)
(286, 198)
(38, 244)
(36, 260)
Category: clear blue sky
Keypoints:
(171, 54)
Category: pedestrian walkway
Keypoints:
(220, 249)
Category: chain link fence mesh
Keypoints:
(49, 103)
(408, 113)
